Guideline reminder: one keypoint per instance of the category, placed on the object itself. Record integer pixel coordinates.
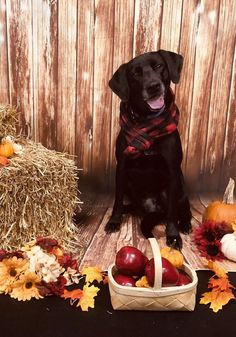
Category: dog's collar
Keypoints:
(152, 115)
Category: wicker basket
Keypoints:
(157, 298)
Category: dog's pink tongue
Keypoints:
(156, 103)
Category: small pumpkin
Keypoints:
(6, 149)
(228, 246)
(218, 211)
(174, 256)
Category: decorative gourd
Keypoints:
(222, 211)
(174, 256)
(218, 211)
(228, 246)
(6, 149)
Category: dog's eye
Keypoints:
(156, 66)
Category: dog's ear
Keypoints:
(174, 63)
(119, 83)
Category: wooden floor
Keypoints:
(99, 249)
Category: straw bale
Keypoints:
(38, 197)
(8, 120)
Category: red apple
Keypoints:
(184, 278)
(150, 272)
(130, 261)
(125, 280)
(170, 274)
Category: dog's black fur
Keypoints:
(154, 181)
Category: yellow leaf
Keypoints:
(220, 272)
(217, 299)
(142, 282)
(92, 274)
(87, 299)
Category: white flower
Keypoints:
(72, 276)
(43, 264)
(18, 149)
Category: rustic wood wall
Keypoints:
(56, 58)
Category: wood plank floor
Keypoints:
(98, 248)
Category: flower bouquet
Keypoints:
(42, 268)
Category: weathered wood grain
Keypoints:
(171, 25)
(204, 64)
(45, 63)
(67, 47)
(147, 26)
(184, 89)
(122, 53)
(19, 42)
(85, 83)
(224, 55)
(228, 165)
(4, 85)
(103, 51)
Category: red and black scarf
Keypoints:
(141, 135)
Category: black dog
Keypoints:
(148, 147)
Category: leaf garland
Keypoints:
(86, 296)
(221, 289)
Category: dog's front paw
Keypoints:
(174, 242)
(113, 225)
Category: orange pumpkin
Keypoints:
(6, 149)
(174, 256)
(220, 212)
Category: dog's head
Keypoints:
(144, 80)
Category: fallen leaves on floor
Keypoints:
(221, 289)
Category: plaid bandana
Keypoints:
(140, 136)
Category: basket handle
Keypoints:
(157, 263)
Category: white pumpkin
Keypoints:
(228, 246)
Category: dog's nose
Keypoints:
(154, 87)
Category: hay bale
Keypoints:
(8, 120)
(38, 196)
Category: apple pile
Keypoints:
(132, 264)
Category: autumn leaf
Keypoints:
(92, 274)
(142, 282)
(220, 272)
(87, 299)
(217, 299)
(221, 283)
(4, 161)
(220, 286)
(73, 294)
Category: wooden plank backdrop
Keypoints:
(56, 58)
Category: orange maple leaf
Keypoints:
(4, 161)
(217, 299)
(221, 283)
(73, 294)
